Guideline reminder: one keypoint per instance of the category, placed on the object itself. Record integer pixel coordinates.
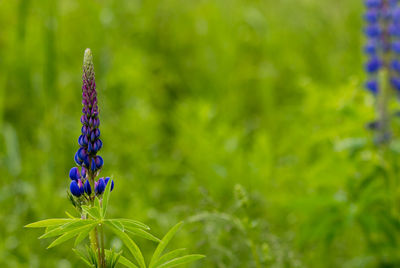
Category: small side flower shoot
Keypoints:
(90, 196)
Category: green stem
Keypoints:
(102, 244)
(94, 235)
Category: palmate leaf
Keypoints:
(169, 256)
(181, 260)
(67, 228)
(163, 243)
(94, 212)
(142, 233)
(117, 224)
(71, 234)
(128, 242)
(133, 223)
(124, 261)
(48, 223)
(82, 235)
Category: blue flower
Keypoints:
(99, 188)
(99, 162)
(371, 48)
(373, 65)
(93, 166)
(78, 161)
(373, 30)
(395, 83)
(74, 174)
(373, 3)
(112, 182)
(76, 188)
(396, 47)
(372, 86)
(395, 64)
(372, 16)
(88, 189)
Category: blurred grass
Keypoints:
(197, 97)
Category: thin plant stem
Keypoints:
(102, 244)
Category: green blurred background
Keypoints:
(246, 119)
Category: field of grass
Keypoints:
(244, 119)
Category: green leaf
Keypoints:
(106, 197)
(112, 258)
(70, 235)
(49, 222)
(142, 233)
(83, 257)
(92, 256)
(67, 228)
(82, 235)
(169, 256)
(94, 212)
(181, 260)
(69, 215)
(126, 262)
(116, 224)
(133, 223)
(164, 242)
(133, 248)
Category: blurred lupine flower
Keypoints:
(382, 30)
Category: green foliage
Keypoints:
(195, 98)
(80, 228)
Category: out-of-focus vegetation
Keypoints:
(243, 118)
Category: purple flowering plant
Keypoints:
(90, 196)
(382, 48)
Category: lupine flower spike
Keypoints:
(89, 141)
(90, 197)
